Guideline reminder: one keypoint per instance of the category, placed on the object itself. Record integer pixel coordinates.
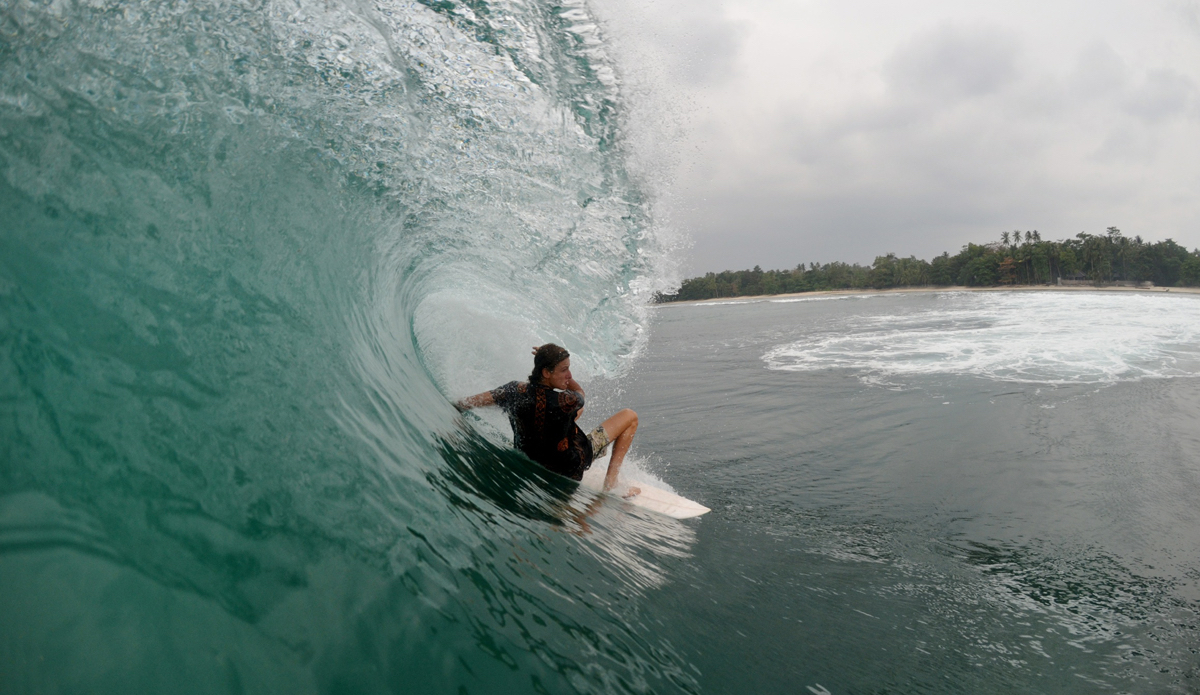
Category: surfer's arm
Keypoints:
(477, 401)
(573, 385)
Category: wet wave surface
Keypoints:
(248, 253)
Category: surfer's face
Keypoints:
(558, 377)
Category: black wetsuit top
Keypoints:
(543, 422)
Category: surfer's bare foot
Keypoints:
(632, 492)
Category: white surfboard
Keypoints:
(652, 498)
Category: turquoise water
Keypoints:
(247, 251)
(242, 245)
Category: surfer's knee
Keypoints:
(623, 423)
(631, 419)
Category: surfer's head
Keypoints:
(551, 366)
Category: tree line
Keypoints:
(1017, 259)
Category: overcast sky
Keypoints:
(821, 130)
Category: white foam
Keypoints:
(633, 471)
(825, 298)
(783, 300)
(1034, 337)
(726, 303)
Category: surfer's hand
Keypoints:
(632, 492)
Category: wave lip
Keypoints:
(1016, 337)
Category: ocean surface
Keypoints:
(250, 251)
(971, 492)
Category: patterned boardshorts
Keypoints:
(599, 440)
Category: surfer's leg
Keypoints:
(620, 429)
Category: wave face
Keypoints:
(1031, 337)
(246, 247)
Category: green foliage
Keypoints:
(1189, 272)
(743, 283)
(1017, 260)
(889, 271)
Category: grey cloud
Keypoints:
(1189, 10)
(1127, 145)
(954, 63)
(851, 226)
(969, 136)
(1159, 94)
(858, 223)
(1164, 94)
(1099, 72)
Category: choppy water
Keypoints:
(943, 492)
(247, 250)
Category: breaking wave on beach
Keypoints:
(1031, 337)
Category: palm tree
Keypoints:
(1004, 238)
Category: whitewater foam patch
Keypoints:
(783, 300)
(743, 301)
(835, 298)
(1046, 338)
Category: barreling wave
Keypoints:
(248, 249)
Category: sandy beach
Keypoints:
(953, 288)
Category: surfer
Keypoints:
(543, 412)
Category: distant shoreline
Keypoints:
(952, 288)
